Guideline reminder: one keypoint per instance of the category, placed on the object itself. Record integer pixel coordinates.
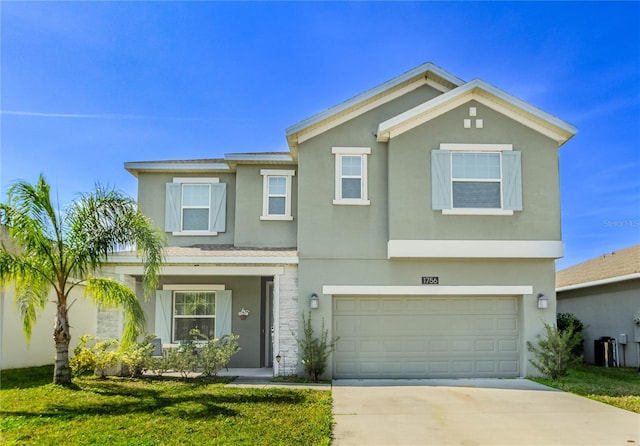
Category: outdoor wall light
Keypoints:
(543, 301)
(314, 301)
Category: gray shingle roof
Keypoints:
(607, 266)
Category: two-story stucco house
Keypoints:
(421, 218)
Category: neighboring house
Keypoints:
(15, 352)
(604, 294)
(421, 217)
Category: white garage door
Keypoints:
(426, 337)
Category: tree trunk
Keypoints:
(62, 338)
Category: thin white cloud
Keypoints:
(88, 115)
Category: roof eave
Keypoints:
(425, 70)
(477, 89)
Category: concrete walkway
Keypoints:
(474, 412)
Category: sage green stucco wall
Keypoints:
(540, 274)
(151, 198)
(347, 245)
(250, 231)
(326, 230)
(410, 213)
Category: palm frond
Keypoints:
(112, 294)
(104, 222)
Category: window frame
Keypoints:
(275, 173)
(476, 180)
(201, 181)
(477, 148)
(175, 316)
(362, 153)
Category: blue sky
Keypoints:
(86, 86)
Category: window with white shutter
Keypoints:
(195, 206)
(476, 179)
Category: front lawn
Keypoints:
(122, 411)
(618, 387)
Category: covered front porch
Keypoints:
(218, 290)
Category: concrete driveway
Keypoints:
(473, 412)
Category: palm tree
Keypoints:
(53, 250)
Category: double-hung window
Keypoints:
(480, 179)
(195, 206)
(351, 175)
(193, 310)
(276, 194)
(181, 308)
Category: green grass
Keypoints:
(122, 411)
(618, 387)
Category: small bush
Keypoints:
(216, 354)
(314, 354)
(566, 320)
(99, 357)
(136, 356)
(554, 351)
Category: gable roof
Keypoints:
(612, 267)
(425, 74)
(486, 94)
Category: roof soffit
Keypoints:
(486, 94)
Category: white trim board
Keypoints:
(205, 270)
(475, 249)
(427, 290)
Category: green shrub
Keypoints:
(135, 357)
(216, 354)
(566, 320)
(554, 351)
(99, 357)
(314, 352)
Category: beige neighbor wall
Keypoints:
(606, 310)
(16, 353)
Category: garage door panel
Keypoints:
(422, 337)
(507, 345)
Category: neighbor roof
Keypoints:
(611, 267)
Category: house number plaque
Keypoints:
(430, 280)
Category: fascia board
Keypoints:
(135, 167)
(369, 94)
(487, 94)
(593, 283)
(257, 157)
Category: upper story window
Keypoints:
(276, 194)
(195, 206)
(480, 179)
(351, 175)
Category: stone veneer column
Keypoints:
(110, 321)
(287, 322)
